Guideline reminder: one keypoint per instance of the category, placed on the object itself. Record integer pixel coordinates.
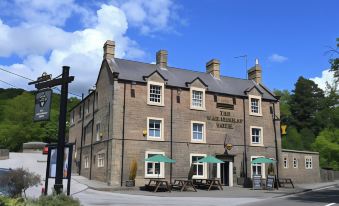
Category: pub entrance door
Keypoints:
(224, 173)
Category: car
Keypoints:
(45, 150)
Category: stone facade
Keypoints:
(113, 128)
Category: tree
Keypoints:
(285, 110)
(335, 62)
(292, 139)
(308, 138)
(307, 99)
(327, 144)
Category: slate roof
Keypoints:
(135, 71)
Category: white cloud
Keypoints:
(277, 58)
(326, 76)
(45, 46)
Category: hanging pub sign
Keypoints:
(43, 101)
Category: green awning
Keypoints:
(159, 158)
(263, 160)
(210, 159)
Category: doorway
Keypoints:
(224, 173)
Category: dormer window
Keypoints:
(197, 98)
(255, 105)
(155, 93)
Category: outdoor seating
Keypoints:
(208, 183)
(157, 184)
(283, 181)
(183, 185)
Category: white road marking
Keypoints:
(330, 204)
(323, 188)
(301, 193)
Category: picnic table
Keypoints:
(183, 184)
(158, 184)
(208, 182)
(283, 181)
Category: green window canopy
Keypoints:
(210, 159)
(263, 160)
(159, 158)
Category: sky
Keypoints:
(290, 38)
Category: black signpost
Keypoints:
(45, 82)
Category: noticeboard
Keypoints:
(270, 182)
(53, 161)
(256, 182)
(43, 100)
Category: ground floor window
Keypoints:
(257, 168)
(154, 169)
(86, 165)
(199, 169)
(308, 162)
(101, 160)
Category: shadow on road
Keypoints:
(328, 195)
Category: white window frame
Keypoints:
(161, 138)
(204, 176)
(295, 162)
(285, 162)
(203, 98)
(250, 97)
(86, 162)
(72, 117)
(162, 97)
(98, 131)
(101, 160)
(261, 138)
(162, 166)
(263, 171)
(203, 132)
(310, 163)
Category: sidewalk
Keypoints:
(232, 192)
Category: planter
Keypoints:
(130, 183)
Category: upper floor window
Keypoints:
(72, 117)
(154, 128)
(256, 136)
(86, 165)
(88, 106)
(295, 162)
(198, 131)
(308, 162)
(255, 105)
(98, 133)
(198, 98)
(155, 93)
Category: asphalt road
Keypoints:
(323, 197)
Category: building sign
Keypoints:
(43, 100)
(225, 120)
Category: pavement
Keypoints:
(92, 192)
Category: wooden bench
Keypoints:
(183, 185)
(283, 181)
(158, 184)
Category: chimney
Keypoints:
(213, 67)
(255, 72)
(161, 59)
(109, 49)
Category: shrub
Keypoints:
(18, 181)
(133, 170)
(54, 200)
(7, 201)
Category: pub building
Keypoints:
(138, 110)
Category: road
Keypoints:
(323, 197)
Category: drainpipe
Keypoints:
(82, 132)
(245, 145)
(123, 138)
(109, 121)
(275, 140)
(90, 167)
(171, 168)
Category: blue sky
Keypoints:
(290, 38)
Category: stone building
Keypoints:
(138, 110)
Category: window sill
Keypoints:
(198, 108)
(155, 104)
(257, 145)
(198, 142)
(155, 139)
(154, 177)
(256, 114)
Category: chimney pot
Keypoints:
(109, 49)
(161, 59)
(213, 67)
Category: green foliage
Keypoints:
(335, 63)
(18, 181)
(54, 200)
(327, 143)
(292, 140)
(270, 169)
(7, 201)
(285, 109)
(16, 119)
